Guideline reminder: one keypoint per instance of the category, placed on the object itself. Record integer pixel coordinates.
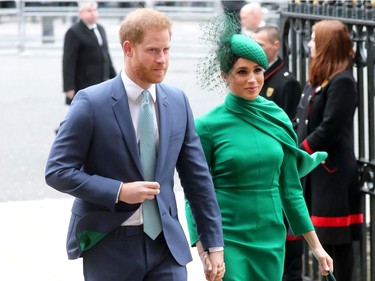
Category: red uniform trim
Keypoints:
(307, 147)
(293, 238)
(331, 171)
(274, 71)
(337, 221)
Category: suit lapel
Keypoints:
(124, 120)
(89, 32)
(101, 31)
(164, 128)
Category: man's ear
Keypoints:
(128, 48)
(277, 44)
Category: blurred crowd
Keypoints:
(122, 4)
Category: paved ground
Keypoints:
(33, 216)
(33, 242)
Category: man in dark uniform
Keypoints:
(282, 87)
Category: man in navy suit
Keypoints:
(95, 158)
(86, 59)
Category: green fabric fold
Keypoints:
(269, 118)
(88, 239)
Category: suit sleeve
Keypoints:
(70, 57)
(203, 209)
(68, 155)
(112, 71)
(205, 141)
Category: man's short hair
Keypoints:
(272, 30)
(83, 5)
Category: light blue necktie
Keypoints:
(147, 146)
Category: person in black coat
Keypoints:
(324, 122)
(284, 89)
(86, 59)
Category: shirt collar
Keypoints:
(272, 62)
(91, 26)
(133, 90)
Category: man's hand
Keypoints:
(213, 264)
(70, 94)
(138, 191)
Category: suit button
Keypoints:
(297, 120)
(306, 122)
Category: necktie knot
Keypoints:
(146, 95)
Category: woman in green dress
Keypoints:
(252, 153)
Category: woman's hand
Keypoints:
(325, 261)
(213, 265)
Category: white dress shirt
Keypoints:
(134, 93)
(97, 33)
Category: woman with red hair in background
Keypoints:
(324, 122)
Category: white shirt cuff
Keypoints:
(118, 193)
(215, 249)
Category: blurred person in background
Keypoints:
(324, 121)
(86, 58)
(280, 85)
(251, 17)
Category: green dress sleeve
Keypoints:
(291, 194)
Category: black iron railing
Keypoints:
(296, 23)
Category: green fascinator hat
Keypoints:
(245, 47)
(222, 36)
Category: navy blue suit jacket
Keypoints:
(96, 149)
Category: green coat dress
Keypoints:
(252, 153)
